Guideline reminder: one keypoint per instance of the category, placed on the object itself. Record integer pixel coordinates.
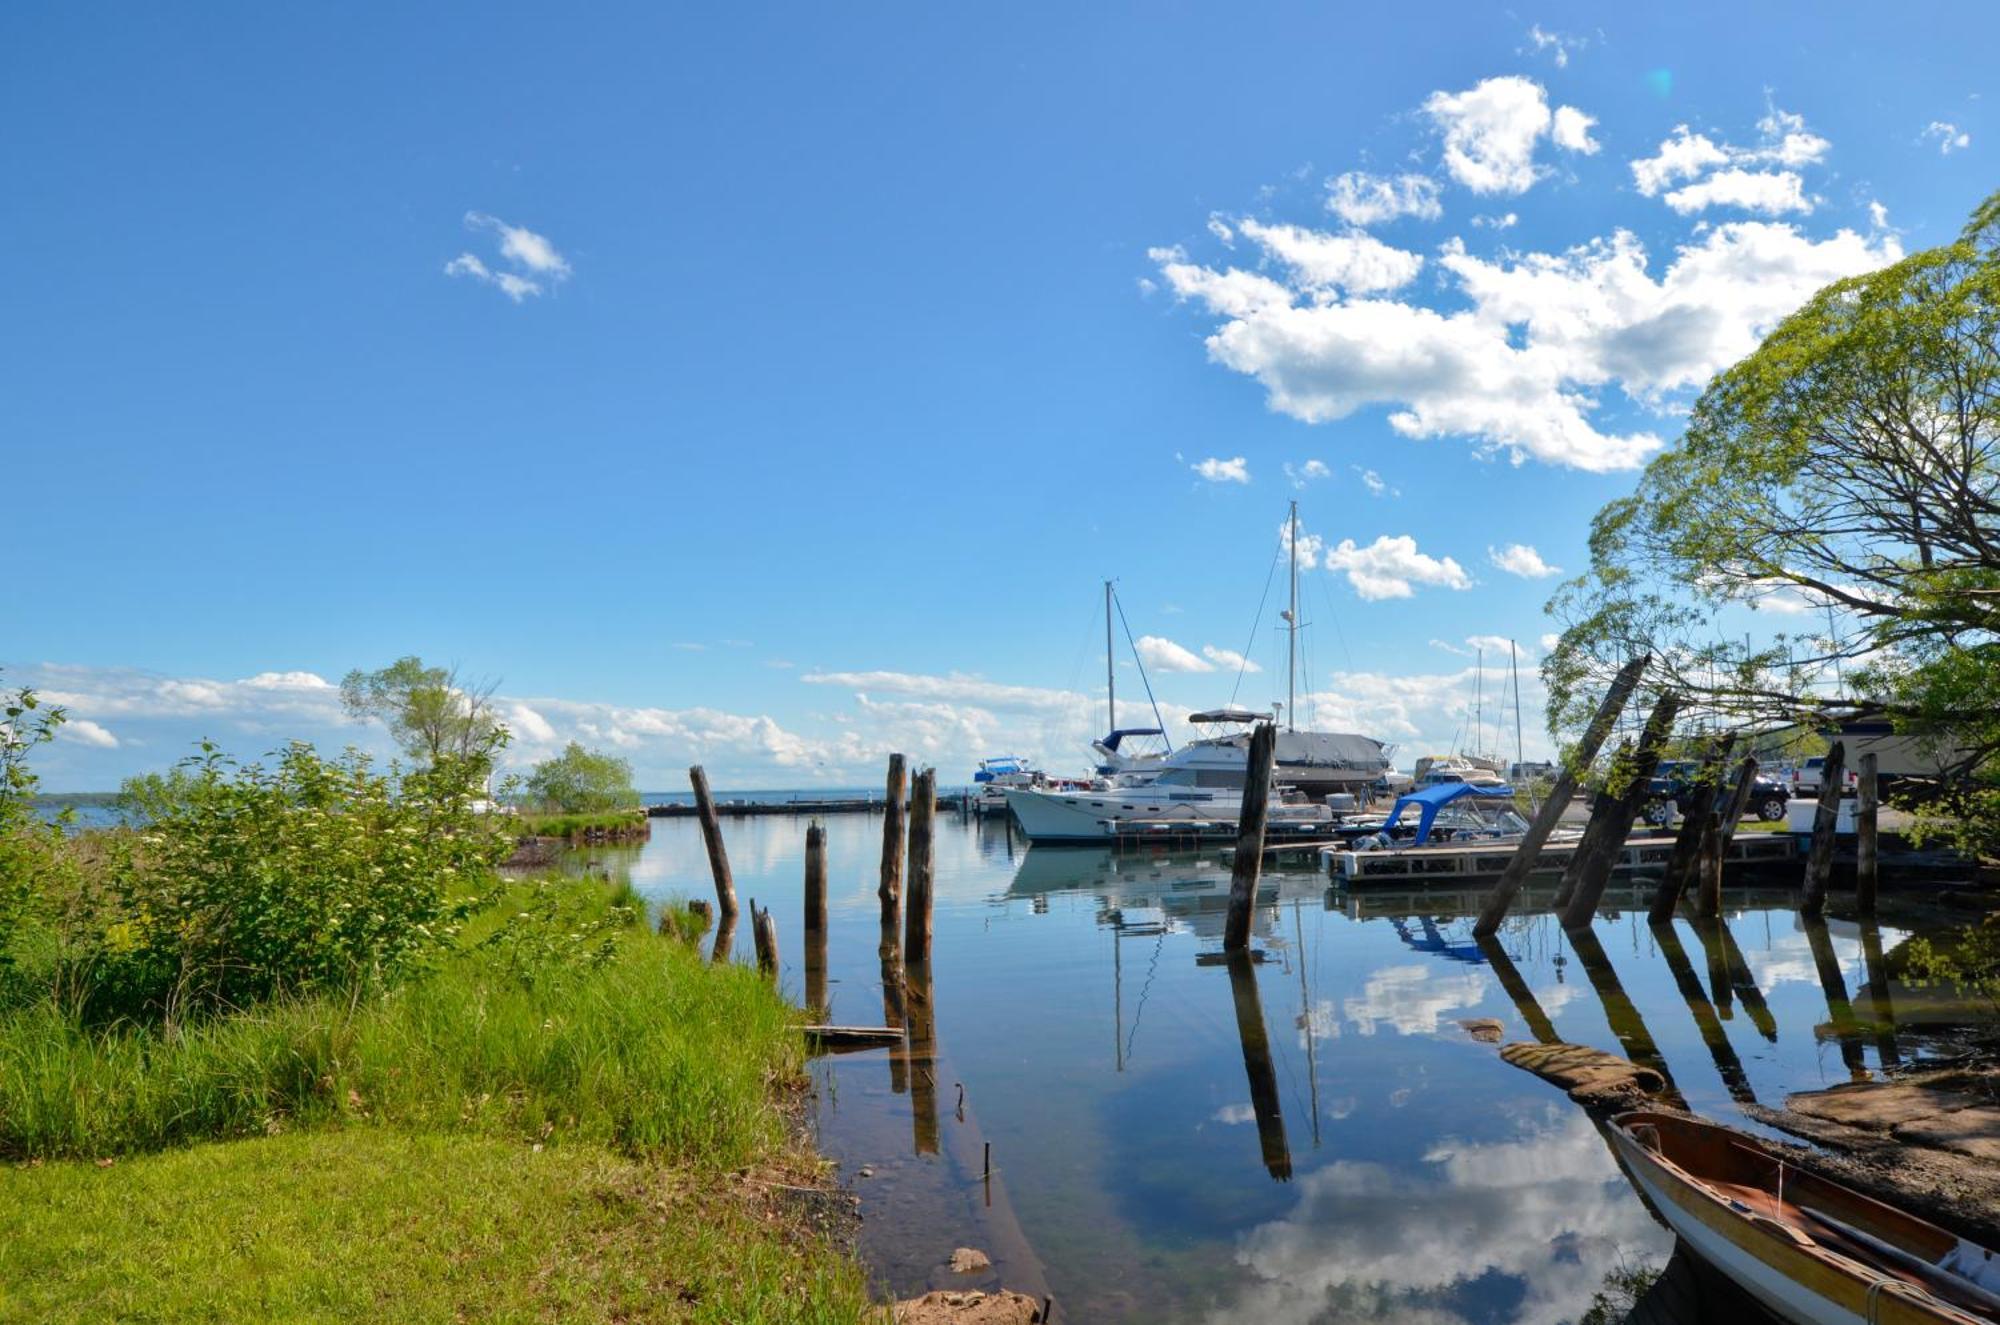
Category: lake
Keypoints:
(1151, 1162)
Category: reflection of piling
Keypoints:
(893, 819)
(1560, 795)
(815, 917)
(1708, 866)
(1590, 869)
(711, 835)
(1257, 1065)
(1620, 1013)
(1745, 983)
(1819, 861)
(764, 933)
(1720, 990)
(1838, 1010)
(1881, 1010)
(1517, 989)
(1249, 860)
(921, 1028)
(917, 914)
(1727, 1064)
(895, 1008)
(1685, 862)
(1865, 854)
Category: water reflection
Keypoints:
(1118, 1088)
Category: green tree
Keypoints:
(30, 851)
(1844, 472)
(580, 781)
(435, 715)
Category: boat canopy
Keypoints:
(998, 765)
(1427, 801)
(1111, 742)
(1229, 715)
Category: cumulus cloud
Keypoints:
(1392, 567)
(85, 732)
(1570, 130)
(1360, 198)
(1322, 264)
(1948, 137)
(528, 263)
(1233, 470)
(1558, 46)
(1762, 178)
(1228, 659)
(1521, 559)
(1490, 131)
(1377, 486)
(1163, 655)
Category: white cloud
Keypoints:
(1374, 482)
(1220, 229)
(1323, 263)
(1359, 198)
(1723, 175)
(1878, 216)
(1558, 45)
(1504, 221)
(1233, 470)
(1771, 192)
(1570, 130)
(1392, 567)
(1163, 655)
(533, 264)
(1521, 559)
(1311, 470)
(1228, 659)
(86, 732)
(1490, 131)
(1947, 136)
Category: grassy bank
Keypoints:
(553, 1122)
(611, 825)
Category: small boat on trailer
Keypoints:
(1809, 1249)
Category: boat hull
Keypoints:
(1093, 816)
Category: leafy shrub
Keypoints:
(580, 781)
(313, 874)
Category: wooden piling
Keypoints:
(815, 916)
(711, 834)
(1249, 860)
(764, 931)
(1602, 810)
(1819, 860)
(1866, 855)
(1709, 866)
(1593, 861)
(1739, 800)
(703, 913)
(725, 939)
(917, 914)
(895, 815)
(1683, 865)
(1574, 766)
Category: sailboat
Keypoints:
(1204, 778)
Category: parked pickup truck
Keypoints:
(1671, 792)
(1808, 777)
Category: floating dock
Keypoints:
(740, 809)
(1474, 860)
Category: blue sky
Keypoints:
(863, 343)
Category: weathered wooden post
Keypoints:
(725, 939)
(702, 912)
(1686, 859)
(1560, 795)
(1819, 860)
(1602, 810)
(917, 914)
(895, 815)
(815, 917)
(1739, 800)
(1249, 861)
(1866, 858)
(1709, 866)
(764, 932)
(711, 834)
(1593, 862)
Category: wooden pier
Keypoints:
(1475, 860)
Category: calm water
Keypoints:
(1373, 1161)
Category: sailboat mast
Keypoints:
(1292, 620)
(1514, 664)
(1110, 663)
(1479, 701)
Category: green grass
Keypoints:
(615, 823)
(379, 1225)
(553, 1124)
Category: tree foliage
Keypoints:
(580, 781)
(1843, 475)
(433, 713)
(29, 846)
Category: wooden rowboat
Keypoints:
(1809, 1249)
